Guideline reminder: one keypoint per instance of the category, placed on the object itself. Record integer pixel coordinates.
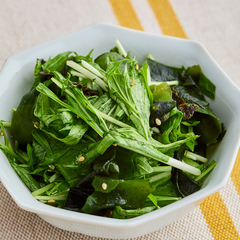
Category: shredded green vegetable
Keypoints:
(110, 136)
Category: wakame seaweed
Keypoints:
(110, 136)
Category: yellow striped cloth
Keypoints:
(215, 23)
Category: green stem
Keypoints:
(77, 74)
(162, 169)
(6, 124)
(93, 70)
(88, 74)
(207, 171)
(120, 48)
(111, 119)
(195, 156)
(166, 198)
(53, 177)
(170, 83)
(158, 177)
(183, 166)
(52, 197)
(150, 56)
(9, 151)
(42, 190)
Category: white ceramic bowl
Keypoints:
(16, 79)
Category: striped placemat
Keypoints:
(215, 23)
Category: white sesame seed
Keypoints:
(104, 186)
(132, 82)
(81, 159)
(51, 167)
(36, 124)
(158, 121)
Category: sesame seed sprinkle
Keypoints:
(51, 166)
(81, 159)
(158, 121)
(132, 82)
(36, 125)
(104, 186)
(51, 201)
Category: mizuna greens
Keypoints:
(111, 137)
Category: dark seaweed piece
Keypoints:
(160, 110)
(117, 162)
(78, 195)
(87, 91)
(161, 73)
(187, 109)
(184, 183)
(176, 98)
(105, 163)
(205, 85)
(209, 127)
(190, 77)
(186, 80)
(23, 119)
(191, 94)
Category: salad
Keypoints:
(110, 136)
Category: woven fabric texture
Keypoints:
(215, 23)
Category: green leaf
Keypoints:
(121, 213)
(40, 137)
(58, 189)
(161, 92)
(57, 63)
(128, 194)
(204, 83)
(78, 104)
(128, 89)
(37, 76)
(104, 59)
(23, 119)
(118, 162)
(172, 123)
(209, 127)
(59, 122)
(130, 139)
(105, 184)
(26, 177)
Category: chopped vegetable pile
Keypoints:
(111, 137)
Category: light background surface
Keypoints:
(215, 23)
